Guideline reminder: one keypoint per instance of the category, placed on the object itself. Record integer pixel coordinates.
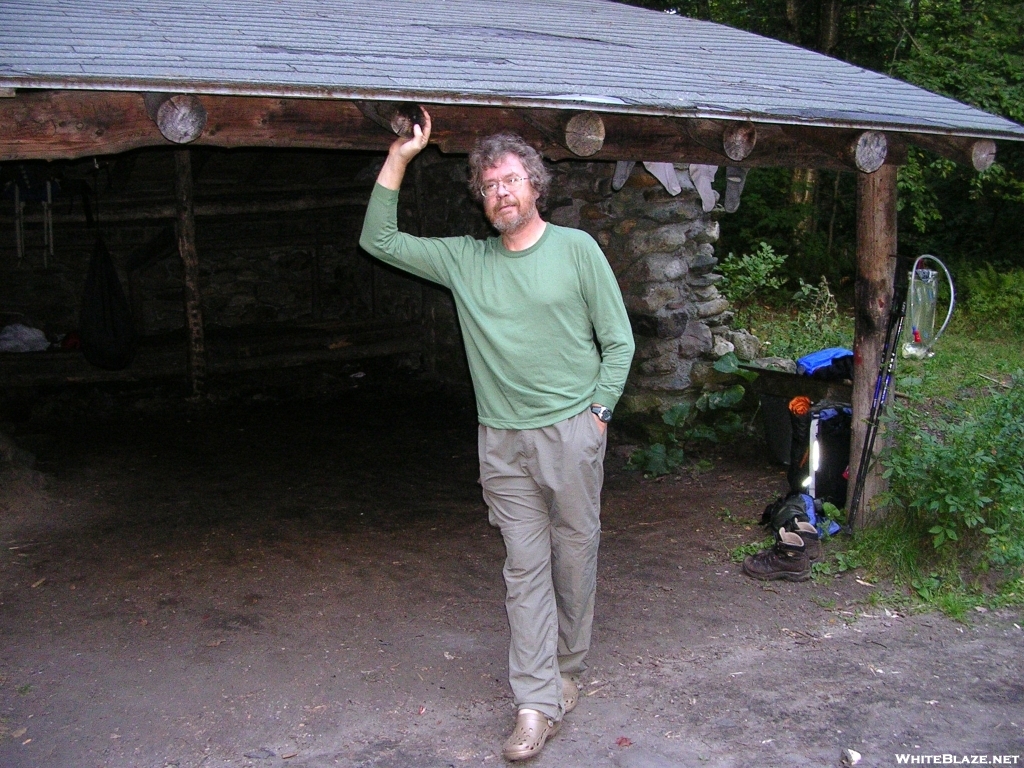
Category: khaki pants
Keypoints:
(543, 490)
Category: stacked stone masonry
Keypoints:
(661, 248)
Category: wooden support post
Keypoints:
(186, 230)
(316, 307)
(876, 270)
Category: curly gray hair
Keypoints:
(489, 151)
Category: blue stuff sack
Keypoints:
(810, 364)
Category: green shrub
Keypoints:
(959, 478)
(711, 418)
(813, 322)
(751, 274)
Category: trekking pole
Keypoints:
(886, 368)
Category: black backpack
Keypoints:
(106, 326)
(787, 510)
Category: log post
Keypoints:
(316, 307)
(876, 270)
(186, 231)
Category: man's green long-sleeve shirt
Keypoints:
(529, 318)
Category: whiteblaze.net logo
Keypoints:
(951, 759)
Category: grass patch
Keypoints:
(964, 356)
(738, 554)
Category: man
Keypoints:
(530, 304)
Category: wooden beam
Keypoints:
(115, 209)
(186, 231)
(732, 140)
(229, 351)
(64, 125)
(584, 134)
(876, 265)
(978, 154)
(71, 124)
(181, 118)
(865, 151)
(739, 140)
(397, 117)
(652, 138)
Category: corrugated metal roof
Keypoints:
(549, 53)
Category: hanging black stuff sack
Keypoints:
(106, 327)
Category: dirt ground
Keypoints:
(280, 581)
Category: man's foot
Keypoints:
(532, 730)
(570, 694)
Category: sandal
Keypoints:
(532, 729)
(570, 694)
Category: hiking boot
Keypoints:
(812, 540)
(786, 560)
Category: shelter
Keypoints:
(577, 78)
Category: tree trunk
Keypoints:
(805, 181)
(876, 269)
(832, 215)
(829, 15)
(793, 20)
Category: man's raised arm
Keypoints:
(424, 257)
(401, 153)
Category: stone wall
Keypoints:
(661, 248)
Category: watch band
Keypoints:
(602, 413)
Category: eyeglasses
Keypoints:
(510, 183)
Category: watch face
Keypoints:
(601, 412)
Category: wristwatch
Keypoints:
(601, 412)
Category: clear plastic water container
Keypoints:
(919, 326)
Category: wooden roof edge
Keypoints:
(10, 85)
(94, 122)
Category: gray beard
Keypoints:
(513, 225)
